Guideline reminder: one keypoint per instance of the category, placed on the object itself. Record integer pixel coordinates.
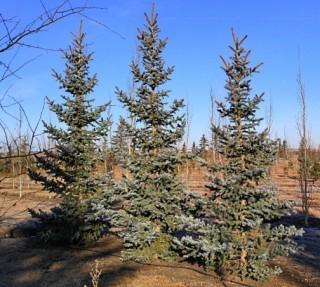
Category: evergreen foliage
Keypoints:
(203, 145)
(233, 230)
(121, 143)
(152, 190)
(194, 149)
(105, 143)
(68, 169)
(107, 157)
(239, 235)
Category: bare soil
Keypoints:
(26, 262)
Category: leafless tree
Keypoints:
(307, 173)
(269, 115)
(212, 123)
(187, 136)
(15, 35)
(215, 120)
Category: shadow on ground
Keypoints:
(305, 264)
(25, 262)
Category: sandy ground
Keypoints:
(26, 262)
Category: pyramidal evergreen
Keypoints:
(121, 143)
(194, 149)
(203, 145)
(184, 148)
(240, 233)
(153, 191)
(68, 170)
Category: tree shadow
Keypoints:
(306, 261)
(26, 262)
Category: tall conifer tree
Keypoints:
(153, 191)
(68, 170)
(241, 206)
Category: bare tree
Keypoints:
(215, 120)
(187, 137)
(212, 123)
(269, 115)
(307, 171)
(15, 35)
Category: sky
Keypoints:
(282, 34)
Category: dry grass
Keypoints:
(159, 281)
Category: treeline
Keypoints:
(235, 229)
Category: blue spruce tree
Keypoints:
(120, 143)
(152, 190)
(239, 234)
(69, 169)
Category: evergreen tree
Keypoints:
(241, 206)
(120, 143)
(107, 153)
(203, 145)
(194, 148)
(284, 149)
(68, 170)
(184, 148)
(153, 191)
(106, 146)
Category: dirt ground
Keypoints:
(26, 262)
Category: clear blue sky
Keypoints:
(198, 32)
